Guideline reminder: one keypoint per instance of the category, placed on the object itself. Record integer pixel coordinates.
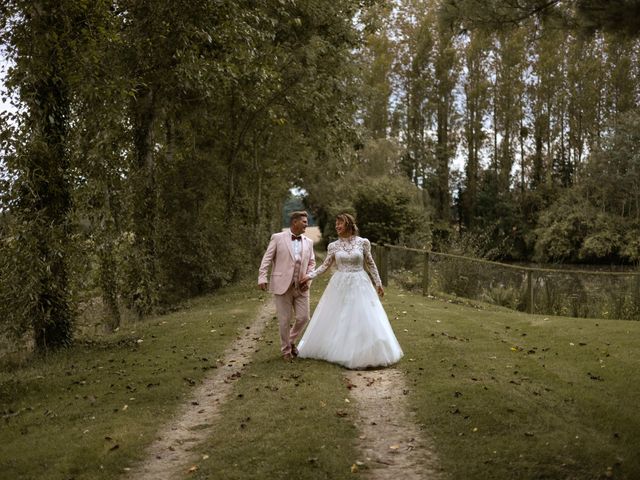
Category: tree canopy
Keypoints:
(153, 144)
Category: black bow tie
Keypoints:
(296, 237)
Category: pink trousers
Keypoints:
(292, 304)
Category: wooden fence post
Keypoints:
(636, 294)
(426, 275)
(378, 255)
(530, 284)
(384, 264)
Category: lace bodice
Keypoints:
(351, 255)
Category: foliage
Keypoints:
(585, 15)
(527, 93)
(563, 228)
(45, 42)
(155, 144)
(597, 220)
(389, 211)
(152, 148)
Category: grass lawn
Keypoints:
(510, 395)
(89, 411)
(503, 394)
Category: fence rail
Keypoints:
(577, 293)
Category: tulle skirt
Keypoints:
(349, 326)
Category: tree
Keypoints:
(507, 97)
(587, 15)
(599, 219)
(476, 89)
(377, 58)
(445, 77)
(388, 210)
(45, 39)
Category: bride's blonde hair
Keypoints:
(349, 222)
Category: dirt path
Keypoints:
(391, 443)
(170, 455)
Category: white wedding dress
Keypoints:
(349, 326)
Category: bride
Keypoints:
(349, 326)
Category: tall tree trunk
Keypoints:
(144, 278)
(442, 161)
(46, 199)
(108, 285)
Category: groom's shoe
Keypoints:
(294, 350)
(287, 357)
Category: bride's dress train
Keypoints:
(349, 326)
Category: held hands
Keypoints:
(380, 291)
(304, 283)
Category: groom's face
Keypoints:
(298, 226)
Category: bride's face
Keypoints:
(341, 228)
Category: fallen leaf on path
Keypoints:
(193, 469)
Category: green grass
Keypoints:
(284, 421)
(508, 395)
(503, 394)
(89, 411)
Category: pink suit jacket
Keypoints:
(280, 255)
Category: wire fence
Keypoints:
(575, 293)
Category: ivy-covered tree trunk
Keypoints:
(108, 284)
(144, 209)
(43, 189)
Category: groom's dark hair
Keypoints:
(293, 216)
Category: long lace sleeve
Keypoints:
(370, 264)
(328, 261)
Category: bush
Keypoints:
(389, 210)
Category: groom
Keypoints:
(291, 257)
